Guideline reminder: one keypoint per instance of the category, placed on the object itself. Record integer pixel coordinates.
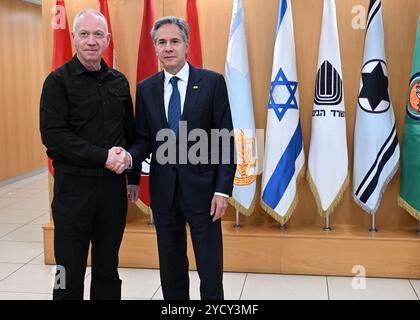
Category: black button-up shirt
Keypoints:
(85, 113)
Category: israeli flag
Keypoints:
(240, 99)
(376, 148)
(284, 155)
(328, 160)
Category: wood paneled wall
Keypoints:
(400, 23)
(21, 66)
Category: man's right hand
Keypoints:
(118, 160)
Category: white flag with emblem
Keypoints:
(376, 149)
(284, 155)
(328, 160)
(240, 99)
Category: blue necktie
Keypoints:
(174, 107)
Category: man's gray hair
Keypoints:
(181, 23)
(88, 11)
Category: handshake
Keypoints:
(118, 160)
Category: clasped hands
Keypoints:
(118, 160)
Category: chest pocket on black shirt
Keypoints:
(83, 103)
(118, 99)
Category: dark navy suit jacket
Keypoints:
(206, 107)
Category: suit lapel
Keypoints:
(158, 96)
(193, 90)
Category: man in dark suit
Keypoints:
(185, 192)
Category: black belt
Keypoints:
(80, 171)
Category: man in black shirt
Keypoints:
(86, 123)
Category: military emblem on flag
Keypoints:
(329, 85)
(409, 198)
(328, 161)
(374, 95)
(413, 106)
(247, 162)
(376, 149)
(284, 156)
(240, 99)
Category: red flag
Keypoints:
(109, 54)
(194, 51)
(147, 65)
(61, 45)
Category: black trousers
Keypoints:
(88, 210)
(172, 246)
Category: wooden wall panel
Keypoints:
(21, 64)
(400, 22)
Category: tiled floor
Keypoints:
(24, 208)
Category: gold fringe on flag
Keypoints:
(337, 199)
(241, 208)
(404, 204)
(286, 217)
(143, 207)
(386, 182)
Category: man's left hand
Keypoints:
(133, 191)
(218, 207)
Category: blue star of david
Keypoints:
(291, 103)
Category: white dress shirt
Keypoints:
(183, 76)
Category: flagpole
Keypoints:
(151, 222)
(284, 163)
(374, 136)
(327, 226)
(238, 86)
(237, 224)
(147, 65)
(328, 131)
(373, 227)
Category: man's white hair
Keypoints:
(88, 11)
